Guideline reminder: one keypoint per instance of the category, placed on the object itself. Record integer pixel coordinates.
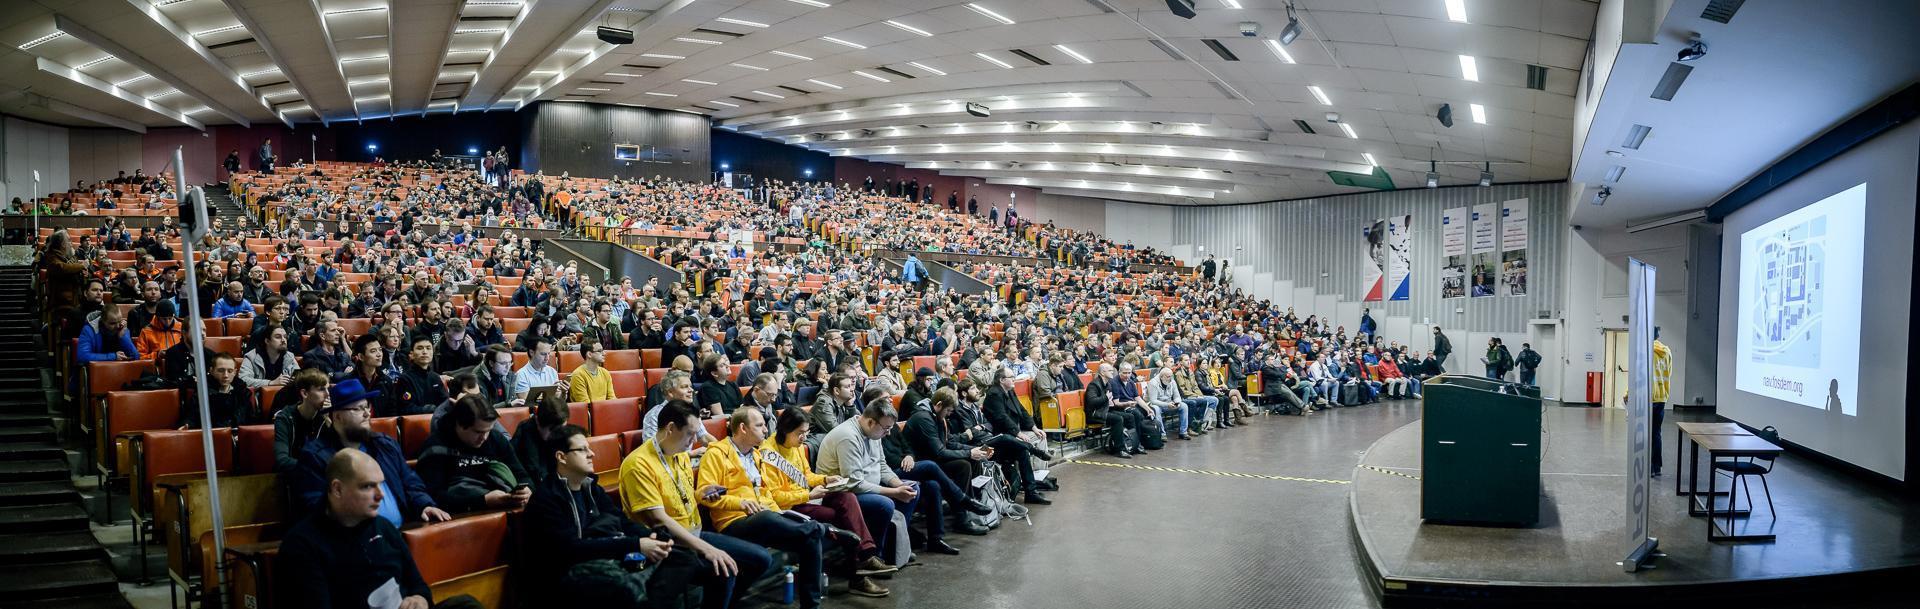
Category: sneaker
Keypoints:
(873, 566)
(865, 586)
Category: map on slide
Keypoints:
(1784, 324)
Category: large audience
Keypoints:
(847, 467)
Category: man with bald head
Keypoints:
(234, 303)
(345, 554)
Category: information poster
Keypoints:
(1484, 272)
(1373, 266)
(1453, 246)
(1399, 257)
(1513, 248)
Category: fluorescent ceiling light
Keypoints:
(1468, 69)
(741, 22)
(793, 55)
(622, 74)
(871, 76)
(842, 42)
(989, 13)
(255, 72)
(750, 67)
(812, 3)
(908, 28)
(698, 82)
(1370, 160)
(772, 95)
(1319, 95)
(370, 98)
(727, 104)
(480, 30)
(1070, 53)
(1280, 51)
(124, 83)
(1233, 4)
(166, 93)
(993, 61)
(212, 31)
(824, 83)
(659, 94)
(95, 62)
(356, 10)
(697, 40)
(1479, 113)
(662, 56)
(1457, 10)
(280, 94)
(924, 67)
(367, 58)
(1349, 129)
(592, 89)
(366, 81)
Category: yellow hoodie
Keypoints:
(1662, 371)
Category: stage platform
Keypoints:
(1841, 542)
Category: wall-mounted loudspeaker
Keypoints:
(1183, 8)
(614, 35)
(1445, 115)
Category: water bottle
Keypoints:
(789, 599)
(634, 561)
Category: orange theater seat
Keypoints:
(510, 418)
(650, 358)
(569, 359)
(130, 412)
(580, 413)
(463, 556)
(512, 326)
(414, 431)
(615, 416)
(253, 450)
(606, 454)
(387, 425)
(229, 345)
(630, 383)
(623, 359)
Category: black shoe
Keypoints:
(970, 529)
(1035, 498)
(1137, 450)
(842, 536)
(1125, 455)
(975, 506)
(1043, 455)
(1049, 484)
(939, 546)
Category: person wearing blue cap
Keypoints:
(350, 418)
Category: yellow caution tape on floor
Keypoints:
(1390, 472)
(1207, 472)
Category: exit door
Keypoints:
(1615, 366)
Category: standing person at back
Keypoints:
(1498, 359)
(1441, 349)
(1529, 361)
(1660, 381)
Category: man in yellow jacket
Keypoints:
(1659, 382)
(747, 509)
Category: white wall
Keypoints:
(26, 146)
(1596, 271)
(99, 154)
(1068, 211)
(1143, 225)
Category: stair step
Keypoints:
(112, 600)
(38, 433)
(21, 451)
(33, 470)
(37, 493)
(58, 580)
(49, 547)
(25, 420)
(40, 519)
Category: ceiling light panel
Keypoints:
(812, 3)
(1349, 130)
(727, 104)
(824, 83)
(908, 28)
(1071, 53)
(843, 42)
(988, 13)
(1469, 69)
(697, 40)
(991, 60)
(1319, 95)
(874, 77)
(792, 55)
(698, 82)
(741, 22)
(923, 66)
(1457, 11)
(1479, 113)
(749, 67)
(1280, 51)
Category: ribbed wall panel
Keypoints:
(1299, 241)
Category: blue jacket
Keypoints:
(310, 480)
(911, 271)
(95, 347)
(223, 310)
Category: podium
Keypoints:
(1480, 452)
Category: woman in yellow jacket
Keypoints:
(793, 484)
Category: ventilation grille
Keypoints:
(1536, 77)
(702, 30)
(750, 101)
(1220, 49)
(798, 91)
(1670, 82)
(1168, 49)
(705, 108)
(1721, 10)
(1023, 55)
(1304, 127)
(894, 72)
(1135, 89)
(1635, 136)
(1614, 173)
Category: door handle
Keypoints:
(1519, 444)
(1445, 441)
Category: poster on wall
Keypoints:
(1399, 257)
(1513, 248)
(1373, 269)
(1484, 274)
(1453, 246)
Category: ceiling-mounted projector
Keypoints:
(979, 110)
(614, 35)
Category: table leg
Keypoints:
(1711, 480)
(1679, 442)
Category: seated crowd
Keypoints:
(789, 415)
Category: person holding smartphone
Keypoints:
(468, 464)
(657, 490)
(572, 521)
(744, 508)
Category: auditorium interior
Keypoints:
(952, 304)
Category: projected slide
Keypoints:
(1800, 289)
